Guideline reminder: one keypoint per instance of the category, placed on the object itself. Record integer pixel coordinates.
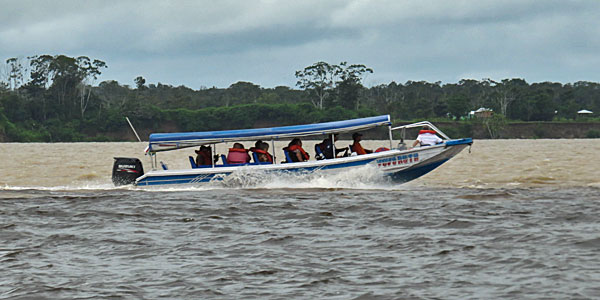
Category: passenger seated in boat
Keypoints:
(297, 154)
(263, 153)
(256, 145)
(326, 147)
(356, 146)
(427, 137)
(203, 156)
(238, 155)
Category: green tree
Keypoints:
(349, 85)
(16, 73)
(70, 80)
(139, 82)
(40, 71)
(542, 106)
(421, 97)
(458, 106)
(506, 92)
(495, 125)
(243, 92)
(319, 80)
(39, 83)
(89, 70)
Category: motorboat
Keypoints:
(396, 163)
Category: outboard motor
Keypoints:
(126, 170)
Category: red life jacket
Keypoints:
(427, 131)
(260, 151)
(296, 147)
(238, 156)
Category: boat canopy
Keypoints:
(173, 141)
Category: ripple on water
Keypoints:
(273, 244)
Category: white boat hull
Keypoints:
(399, 165)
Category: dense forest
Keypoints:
(56, 98)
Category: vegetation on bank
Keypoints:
(56, 99)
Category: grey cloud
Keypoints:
(401, 40)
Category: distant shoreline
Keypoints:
(526, 130)
(454, 129)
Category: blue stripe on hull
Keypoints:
(203, 178)
(330, 167)
(414, 173)
(181, 179)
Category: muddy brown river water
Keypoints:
(512, 219)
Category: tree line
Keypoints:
(57, 98)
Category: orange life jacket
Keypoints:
(357, 147)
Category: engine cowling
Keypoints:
(126, 170)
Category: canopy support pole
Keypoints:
(333, 145)
(153, 161)
(273, 147)
(212, 159)
(390, 133)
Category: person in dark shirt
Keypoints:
(326, 147)
(203, 156)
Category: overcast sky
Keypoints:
(217, 43)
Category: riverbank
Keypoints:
(474, 129)
(477, 130)
(523, 130)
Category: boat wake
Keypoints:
(362, 178)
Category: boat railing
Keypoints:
(420, 124)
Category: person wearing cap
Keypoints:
(427, 137)
(356, 146)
